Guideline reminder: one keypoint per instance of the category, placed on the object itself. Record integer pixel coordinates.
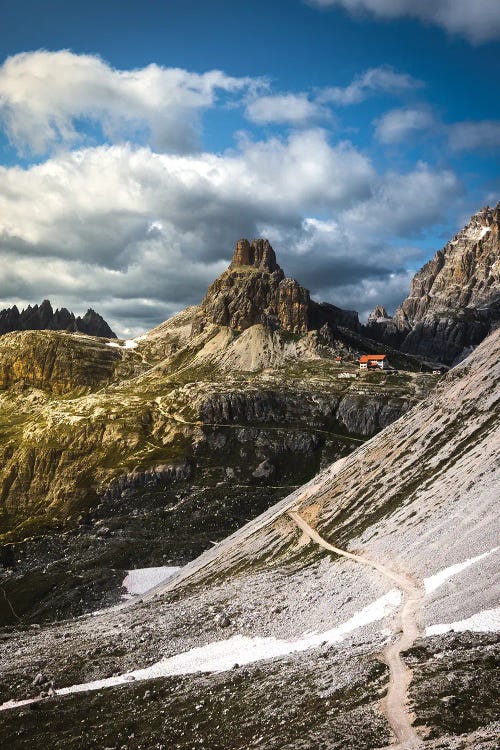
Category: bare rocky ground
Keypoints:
(320, 700)
(316, 700)
(420, 496)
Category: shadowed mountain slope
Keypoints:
(270, 640)
(40, 317)
(120, 454)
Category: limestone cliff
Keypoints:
(55, 361)
(254, 290)
(454, 300)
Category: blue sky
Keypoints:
(139, 141)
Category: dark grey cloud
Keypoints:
(139, 235)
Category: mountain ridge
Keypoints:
(454, 299)
(43, 317)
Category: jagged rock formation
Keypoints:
(454, 300)
(169, 443)
(254, 290)
(259, 254)
(378, 314)
(43, 317)
(382, 327)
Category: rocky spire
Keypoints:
(254, 290)
(454, 300)
(378, 313)
(41, 317)
(239, 299)
(258, 254)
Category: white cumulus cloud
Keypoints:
(292, 109)
(45, 96)
(398, 124)
(380, 80)
(138, 235)
(476, 20)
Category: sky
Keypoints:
(140, 140)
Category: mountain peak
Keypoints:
(454, 298)
(43, 317)
(379, 313)
(258, 254)
(239, 300)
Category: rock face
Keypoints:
(55, 362)
(254, 291)
(382, 327)
(380, 313)
(259, 254)
(464, 274)
(42, 317)
(454, 300)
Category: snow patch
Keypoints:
(434, 582)
(128, 344)
(140, 580)
(239, 649)
(476, 233)
(487, 621)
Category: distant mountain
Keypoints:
(43, 317)
(154, 448)
(254, 290)
(454, 300)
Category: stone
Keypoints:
(454, 300)
(264, 470)
(254, 291)
(43, 317)
(378, 313)
(258, 254)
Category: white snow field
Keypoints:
(487, 621)
(128, 344)
(435, 581)
(221, 656)
(140, 580)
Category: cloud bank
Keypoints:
(476, 20)
(44, 95)
(136, 222)
(139, 235)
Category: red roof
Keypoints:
(372, 357)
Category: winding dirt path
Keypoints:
(395, 702)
